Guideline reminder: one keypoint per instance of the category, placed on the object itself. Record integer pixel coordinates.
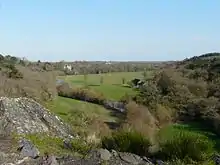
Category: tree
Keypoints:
(101, 80)
(123, 80)
(164, 83)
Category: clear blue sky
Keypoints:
(109, 29)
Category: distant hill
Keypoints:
(208, 62)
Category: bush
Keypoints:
(140, 119)
(127, 141)
(148, 94)
(55, 145)
(88, 95)
(80, 94)
(64, 90)
(164, 83)
(183, 144)
(197, 89)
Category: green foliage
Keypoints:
(197, 89)
(55, 145)
(148, 94)
(213, 90)
(13, 72)
(81, 147)
(184, 145)
(164, 83)
(127, 141)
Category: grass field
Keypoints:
(79, 114)
(196, 128)
(65, 106)
(112, 86)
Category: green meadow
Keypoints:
(111, 85)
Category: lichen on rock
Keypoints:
(26, 116)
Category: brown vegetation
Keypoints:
(139, 118)
(83, 94)
(16, 81)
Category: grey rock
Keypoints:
(114, 153)
(25, 116)
(130, 158)
(2, 156)
(11, 158)
(60, 82)
(147, 161)
(95, 157)
(216, 159)
(67, 144)
(105, 154)
(48, 160)
(27, 149)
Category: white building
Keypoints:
(67, 67)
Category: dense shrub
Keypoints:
(13, 72)
(197, 89)
(164, 83)
(213, 90)
(139, 118)
(88, 95)
(83, 94)
(148, 94)
(184, 144)
(64, 90)
(127, 141)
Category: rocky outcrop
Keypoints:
(95, 157)
(27, 149)
(25, 116)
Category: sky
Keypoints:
(116, 30)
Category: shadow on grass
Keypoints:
(120, 117)
(117, 114)
(62, 113)
(94, 85)
(202, 129)
(112, 125)
(121, 85)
